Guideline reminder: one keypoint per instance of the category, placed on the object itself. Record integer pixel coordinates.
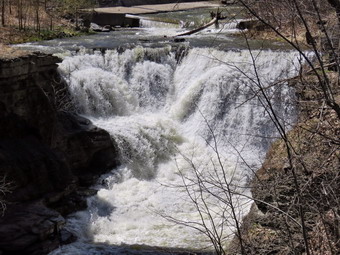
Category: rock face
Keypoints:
(296, 195)
(251, 24)
(46, 154)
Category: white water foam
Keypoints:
(171, 29)
(169, 120)
(149, 23)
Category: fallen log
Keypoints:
(199, 29)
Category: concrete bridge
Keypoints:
(117, 15)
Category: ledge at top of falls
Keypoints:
(151, 7)
(48, 156)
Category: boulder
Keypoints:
(86, 148)
(251, 25)
(32, 228)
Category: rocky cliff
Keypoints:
(48, 156)
(296, 194)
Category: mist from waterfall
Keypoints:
(166, 114)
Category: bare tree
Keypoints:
(3, 13)
(20, 14)
(326, 87)
(318, 66)
(37, 18)
(5, 187)
(312, 208)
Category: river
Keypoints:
(189, 121)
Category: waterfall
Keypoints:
(149, 23)
(159, 26)
(169, 116)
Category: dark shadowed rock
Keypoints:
(86, 147)
(32, 228)
(46, 155)
(66, 237)
(252, 25)
(29, 163)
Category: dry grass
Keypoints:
(295, 31)
(11, 34)
(7, 52)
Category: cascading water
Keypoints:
(148, 23)
(172, 119)
(155, 26)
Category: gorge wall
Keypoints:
(307, 189)
(48, 156)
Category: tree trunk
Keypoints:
(214, 20)
(3, 13)
(19, 5)
(51, 22)
(37, 18)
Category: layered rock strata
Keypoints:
(48, 156)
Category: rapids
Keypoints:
(173, 119)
